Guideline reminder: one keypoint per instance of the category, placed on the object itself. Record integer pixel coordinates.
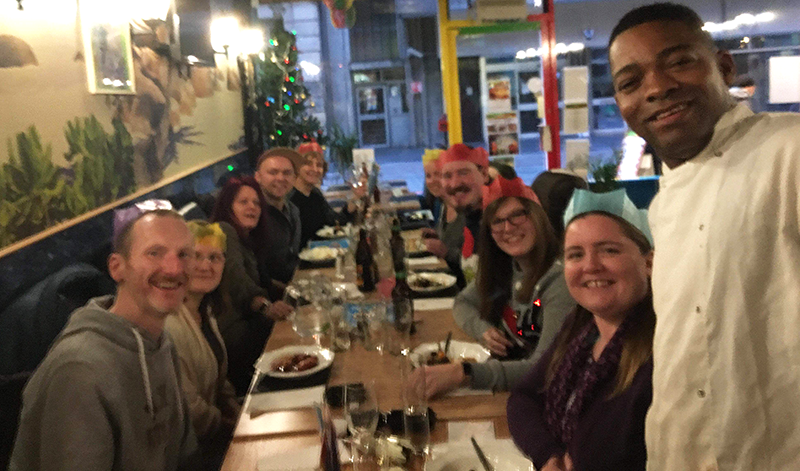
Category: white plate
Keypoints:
(461, 456)
(458, 350)
(446, 281)
(318, 254)
(265, 361)
(329, 232)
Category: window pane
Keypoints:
(607, 117)
(373, 132)
(529, 121)
(363, 76)
(397, 73)
(370, 101)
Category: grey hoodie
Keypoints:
(557, 304)
(106, 397)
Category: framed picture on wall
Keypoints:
(107, 49)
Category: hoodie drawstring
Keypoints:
(145, 373)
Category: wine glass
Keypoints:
(310, 316)
(361, 411)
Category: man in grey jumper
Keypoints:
(107, 396)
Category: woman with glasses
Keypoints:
(516, 304)
(210, 396)
(583, 405)
(247, 326)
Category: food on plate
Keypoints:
(295, 363)
(319, 253)
(426, 283)
(438, 358)
(331, 232)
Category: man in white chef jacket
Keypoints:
(726, 277)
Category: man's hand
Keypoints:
(555, 463)
(568, 462)
(440, 379)
(428, 233)
(360, 189)
(436, 247)
(279, 310)
(496, 342)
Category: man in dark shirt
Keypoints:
(315, 212)
(275, 173)
(464, 171)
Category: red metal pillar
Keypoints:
(549, 70)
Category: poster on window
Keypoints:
(499, 94)
(503, 132)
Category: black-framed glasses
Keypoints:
(516, 218)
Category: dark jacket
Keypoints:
(278, 253)
(609, 436)
(316, 213)
(244, 331)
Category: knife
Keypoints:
(481, 456)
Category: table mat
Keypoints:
(271, 384)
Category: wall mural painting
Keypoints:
(178, 118)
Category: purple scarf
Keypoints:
(578, 379)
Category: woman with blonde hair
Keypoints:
(211, 399)
(583, 404)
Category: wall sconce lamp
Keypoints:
(19, 5)
(226, 37)
(224, 32)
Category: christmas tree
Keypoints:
(282, 98)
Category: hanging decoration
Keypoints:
(282, 97)
(343, 14)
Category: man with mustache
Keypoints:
(726, 276)
(275, 173)
(464, 171)
(107, 396)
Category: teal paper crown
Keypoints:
(615, 202)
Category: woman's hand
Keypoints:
(440, 379)
(496, 342)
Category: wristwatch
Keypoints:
(264, 308)
(467, 368)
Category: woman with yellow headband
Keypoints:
(210, 396)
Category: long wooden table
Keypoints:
(276, 432)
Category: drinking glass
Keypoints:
(310, 320)
(415, 406)
(374, 324)
(361, 411)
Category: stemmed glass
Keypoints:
(361, 412)
(310, 317)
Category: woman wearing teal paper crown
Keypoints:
(583, 404)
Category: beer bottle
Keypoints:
(402, 302)
(364, 264)
(398, 246)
